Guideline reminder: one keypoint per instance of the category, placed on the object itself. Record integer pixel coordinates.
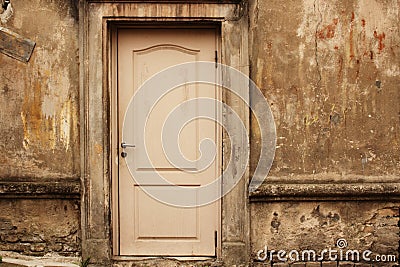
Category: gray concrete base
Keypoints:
(11, 259)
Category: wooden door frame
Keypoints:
(97, 21)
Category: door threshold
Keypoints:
(179, 258)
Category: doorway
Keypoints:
(145, 226)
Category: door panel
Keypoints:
(145, 207)
(146, 226)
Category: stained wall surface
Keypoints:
(39, 140)
(330, 71)
(39, 117)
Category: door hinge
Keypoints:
(216, 241)
(216, 59)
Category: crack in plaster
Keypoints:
(316, 42)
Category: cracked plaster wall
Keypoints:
(331, 73)
(39, 122)
(317, 226)
(39, 100)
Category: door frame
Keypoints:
(113, 58)
(97, 20)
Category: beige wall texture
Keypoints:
(39, 140)
(39, 99)
(331, 73)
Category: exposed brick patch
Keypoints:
(346, 264)
(39, 226)
(329, 264)
(362, 265)
(259, 264)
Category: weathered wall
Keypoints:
(40, 226)
(317, 226)
(39, 140)
(39, 114)
(331, 73)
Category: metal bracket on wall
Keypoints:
(15, 46)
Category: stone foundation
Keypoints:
(40, 226)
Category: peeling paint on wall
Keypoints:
(319, 70)
(44, 93)
(318, 226)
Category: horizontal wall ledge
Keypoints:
(326, 192)
(167, 1)
(57, 188)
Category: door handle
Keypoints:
(125, 145)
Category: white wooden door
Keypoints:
(148, 227)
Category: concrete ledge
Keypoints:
(13, 259)
(17, 188)
(168, 1)
(326, 192)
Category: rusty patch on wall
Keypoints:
(15, 46)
